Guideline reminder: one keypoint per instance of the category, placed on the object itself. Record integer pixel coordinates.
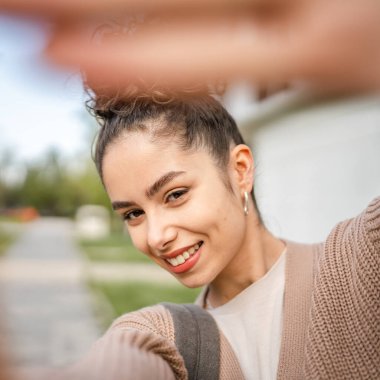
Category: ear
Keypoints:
(242, 165)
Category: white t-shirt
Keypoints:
(252, 323)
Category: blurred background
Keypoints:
(68, 269)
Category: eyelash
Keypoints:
(179, 192)
(127, 215)
(131, 214)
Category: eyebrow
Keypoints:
(121, 204)
(152, 190)
(161, 182)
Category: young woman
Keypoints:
(178, 173)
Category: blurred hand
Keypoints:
(332, 44)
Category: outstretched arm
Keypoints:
(138, 346)
(333, 44)
(119, 355)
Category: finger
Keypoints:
(185, 53)
(132, 42)
(182, 53)
(78, 8)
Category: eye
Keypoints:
(175, 195)
(132, 215)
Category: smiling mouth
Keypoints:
(180, 259)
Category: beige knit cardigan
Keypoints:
(331, 320)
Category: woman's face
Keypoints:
(176, 206)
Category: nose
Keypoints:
(160, 233)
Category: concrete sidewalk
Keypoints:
(49, 311)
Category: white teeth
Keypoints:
(180, 259)
(174, 262)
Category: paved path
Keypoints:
(49, 310)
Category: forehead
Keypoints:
(141, 147)
(135, 160)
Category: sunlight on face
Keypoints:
(176, 206)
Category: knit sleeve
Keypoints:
(123, 355)
(343, 334)
(138, 345)
(156, 324)
(372, 224)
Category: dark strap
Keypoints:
(197, 339)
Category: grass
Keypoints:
(114, 248)
(7, 235)
(5, 241)
(128, 296)
(7, 219)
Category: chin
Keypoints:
(193, 282)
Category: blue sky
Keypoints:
(41, 107)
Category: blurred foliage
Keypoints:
(115, 247)
(5, 240)
(51, 186)
(9, 230)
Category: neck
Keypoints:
(257, 255)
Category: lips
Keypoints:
(184, 260)
(185, 255)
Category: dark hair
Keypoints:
(193, 121)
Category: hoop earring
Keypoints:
(245, 203)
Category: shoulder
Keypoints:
(358, 236)
(372, 222)
(345, 294)
(350, 261)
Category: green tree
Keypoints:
(53, 188)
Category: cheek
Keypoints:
(215, 215)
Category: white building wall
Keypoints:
(316, 163)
